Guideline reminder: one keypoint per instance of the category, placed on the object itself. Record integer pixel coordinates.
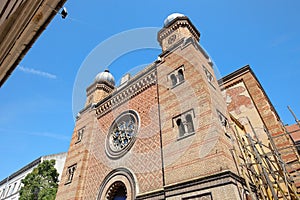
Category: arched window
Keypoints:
(70, 173)
(180, 127)
(222, 119)
(180, 75)
(174, 80)
(189, 123)
(79, 135)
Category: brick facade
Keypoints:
(181, 149)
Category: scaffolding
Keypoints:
(262, 166)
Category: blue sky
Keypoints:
(36, 115)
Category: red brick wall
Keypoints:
(143, 159)
(207, 151)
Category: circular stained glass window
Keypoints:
(122, 134)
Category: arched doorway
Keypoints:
(117, 191)
(119, 184)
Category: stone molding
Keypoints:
(132, 89)
(118, 175)
(204, 183)
(183, 43)
(180, 22)
(199, 184)
(107, 88)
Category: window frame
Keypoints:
(209, 77)
(224, 122)
(182, 117)
(79, 134)
(70, 175)
(176, 73)
(223, 119)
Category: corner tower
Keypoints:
(176, 27)
(103, 85)
(194, 121)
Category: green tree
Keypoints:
(41, 183)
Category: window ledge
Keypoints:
(211, 84)
(185, 136)
(78, 141)
(179, 83)
(68, 182)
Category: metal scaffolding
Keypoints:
(262, 166)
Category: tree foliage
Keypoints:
(41, 183)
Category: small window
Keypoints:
(189, 123)
(8, 191)
(223, 119)
(174, 79)
(3, 193)
(209, 76)
(70, 173)
(19, 187)
(180, 127)
(224, 122)
(177, 76)
(11, 189)
(184, 124)
(80, 134)
(180, 75)
(15, 184)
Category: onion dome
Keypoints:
(105, 77)
(171, 17)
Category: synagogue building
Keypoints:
(173, 131)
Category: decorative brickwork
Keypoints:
(130, 91)
(159, 164)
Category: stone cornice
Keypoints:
(133, 88)
(184, 42)
(107, 88)
(210, 181)
(180, 22)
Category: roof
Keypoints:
(22, 170)
(240, 73)
(21, 23)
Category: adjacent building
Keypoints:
(11, 185)
(21, 23)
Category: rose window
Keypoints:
(122, 134)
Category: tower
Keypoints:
(162, 135)
(103, 85)
(195, 125)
